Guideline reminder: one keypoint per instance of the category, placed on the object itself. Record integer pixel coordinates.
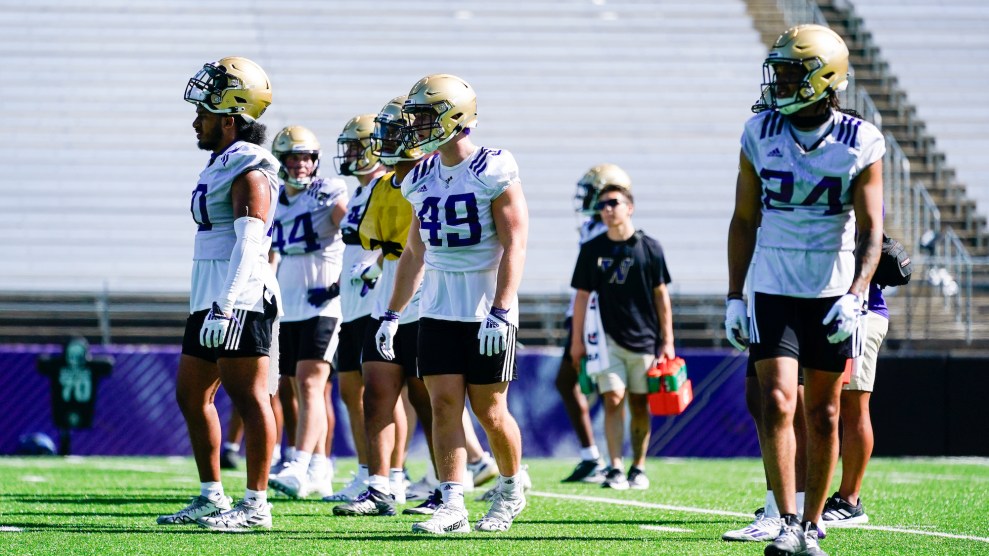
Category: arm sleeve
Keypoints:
(247, 250)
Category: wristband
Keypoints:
(390, 315)
(499, 313)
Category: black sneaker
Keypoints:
(587, 471)
(615, 478)
(229, 459)
(789, 541)
(370, 502)
(428, 506)
(838, 512)
(637, 478)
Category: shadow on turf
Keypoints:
(85, 498)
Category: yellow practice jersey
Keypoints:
(387, 219)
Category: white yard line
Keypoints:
(637, 504)
(666, 529)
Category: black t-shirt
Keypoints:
(624, 274)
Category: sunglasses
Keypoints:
(600, 205)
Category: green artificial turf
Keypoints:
(108, 506)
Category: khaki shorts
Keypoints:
(627, 372)
(864, 367)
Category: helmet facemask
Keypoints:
(585, 198)
(388, 142)
(427, 120)
(302, 182)
(355, 157)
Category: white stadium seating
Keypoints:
(100, 156)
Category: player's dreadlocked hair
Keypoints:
(250, 131)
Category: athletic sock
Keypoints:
(380, 483)
(590, 453)
(771, 509)
(511, 486)
(302, 459)
(211, 489)
(255, 497)
(453, 494)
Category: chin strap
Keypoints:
(247, 250)
(810, 122)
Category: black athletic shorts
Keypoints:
(568, 324)
(351, 343)
(784, 326)
(248, 336)
(405, 345)
(451, 347)
(313, 339)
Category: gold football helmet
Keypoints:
(389, 127)
(819, 54)
(438, 108)
(590, 186)
(296, 139)
(232, 85)
(355, 156)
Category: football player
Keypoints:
(590, 469)
(357, 287)
(466, 247)
(810, 180)
(234, 299)
(306, 237)
(385, 227)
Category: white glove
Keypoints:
(493, 334)
(737, 324)
(385, 337)
(364, 272)
(845, 315)
(214, 330)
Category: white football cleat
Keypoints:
(350, 492)
(446, 519)
(242, 518)
(200, 506)
(502, 513)
(292, 481)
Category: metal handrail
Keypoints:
(910, 205)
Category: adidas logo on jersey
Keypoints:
(422, 189)
(775, 152)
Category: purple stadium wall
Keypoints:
(136, 412)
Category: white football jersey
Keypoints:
(453, 205)
(212, 210)
(310, 246)
(589, 229)
(807, 238)
(356, 300)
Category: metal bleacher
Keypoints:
(101, 155)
